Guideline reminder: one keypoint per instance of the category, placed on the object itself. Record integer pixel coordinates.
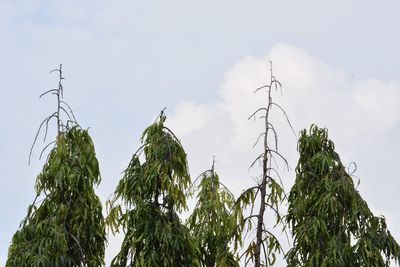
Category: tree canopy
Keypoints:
(331, 224)
(151, 193)
(65, 227)
(214, 223)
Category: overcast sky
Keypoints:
(124, 61)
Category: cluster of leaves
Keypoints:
(214, 223)
(67, 227)
(332, 225)
(151, 193)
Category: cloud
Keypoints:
(362, 118)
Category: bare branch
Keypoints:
(272, 159)
(280, 156)
(69, 108)
(274, 209)
(66, 113)
(36, 136)
(250, 217)
(55, 91)
(354, 165)
(261, 87)
(58, 70)
(277, 84)
(258, 138)
(49, 144)
(271, 127)
(258, 110)
(47, 125)
(257, 159)
(286, 116)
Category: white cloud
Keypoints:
(193, 117)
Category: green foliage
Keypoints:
(67, 227)
(332, 225)
(152, 192)
(214, 223)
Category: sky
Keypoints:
(124, 61)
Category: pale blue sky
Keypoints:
(126, 60)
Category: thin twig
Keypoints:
(255, 112)
(36, 136)
(49, 91)
(286, 116)
(261, 87)
(70, 109)
(49, 144)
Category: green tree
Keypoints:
(146, 202)
(268, 193)
(214, 222)
(65, 228)
(331, 223)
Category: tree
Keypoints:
(214, 222)
(269, 190)
(66, 228)
(331, 223)
(152, 192)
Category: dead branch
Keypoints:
(286, 116)
(37, 134)
(258, 110)
(49, 144)
(261, 87)
(49, 91)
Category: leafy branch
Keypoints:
(268, 191)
